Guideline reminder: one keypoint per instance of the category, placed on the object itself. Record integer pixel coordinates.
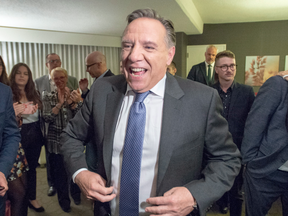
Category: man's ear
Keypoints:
(171, 53)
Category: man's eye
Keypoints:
(127, 46)
(149, 47)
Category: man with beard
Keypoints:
(237, 100)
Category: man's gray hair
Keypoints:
(211, 46)
(150, 13)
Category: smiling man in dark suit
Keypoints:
(204, 71)
(237, 100)
(181, 154)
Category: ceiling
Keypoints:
(108, 17)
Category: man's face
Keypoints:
(229, 74)
(93, 66)
(210, 55)
(53, 61)
(145, 55)
(171, 69)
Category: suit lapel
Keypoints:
(113, 106)
(203, 69)
(171, 108)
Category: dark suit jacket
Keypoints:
(91, 156)
(241, 101)
(198, 74)
(196, 149)
(108, 73)
(265, 142)
(9, 131)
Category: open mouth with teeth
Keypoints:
(137, 72)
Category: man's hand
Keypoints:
(283, 73)
(93, 186)
(76, 96)
(3, 184)
(177, 201)
(83, 84)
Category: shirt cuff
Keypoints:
(77, 172)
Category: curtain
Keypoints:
(72, 57)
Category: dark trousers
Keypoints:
(2, 205)
(50, 177)
(60, 178)
(234, 197)
(260, 193)
(32, 141)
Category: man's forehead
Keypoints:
(142, 26)
(53, 57)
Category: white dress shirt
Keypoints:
(149, 164)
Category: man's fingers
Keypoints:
(157, 210)
(158, 200)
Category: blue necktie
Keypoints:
(132, 155)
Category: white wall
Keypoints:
(53, 37)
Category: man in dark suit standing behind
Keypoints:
(237, 100)
(204, 71)
(97, 68)
(162, 145)
(9, 139)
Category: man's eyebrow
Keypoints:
(150, 43)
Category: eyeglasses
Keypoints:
(87, 66)
(54, 61)
(225, 67)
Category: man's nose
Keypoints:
(136, 54)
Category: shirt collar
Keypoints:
(102, 75)
(219, 88)
(158, 89)
(210, 64)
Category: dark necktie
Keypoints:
(209, 73)
(132, 155)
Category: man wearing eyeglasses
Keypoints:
(204, 71)
(96, 67)
(45, 83)
(237, 100)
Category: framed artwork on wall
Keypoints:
(260, 68)
(286, 62)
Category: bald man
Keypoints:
(96, 67)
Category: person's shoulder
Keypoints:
(4, 88)
(109, 73)
(39, 79)
(192, 85)
(72, 77)
(200, 64)
(243, 87)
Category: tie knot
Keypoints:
(209, 65)
(140, 97)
